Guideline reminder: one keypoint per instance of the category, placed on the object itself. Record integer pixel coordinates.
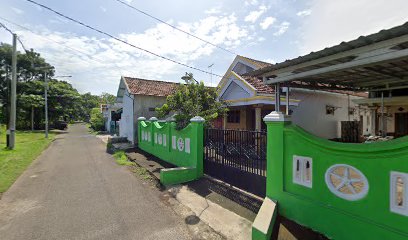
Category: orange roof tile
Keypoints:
(138, 86)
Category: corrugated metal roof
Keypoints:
(342, 47)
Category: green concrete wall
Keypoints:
(182, 148)
(320, 209)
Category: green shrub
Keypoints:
(97, 120)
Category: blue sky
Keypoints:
(271, 31)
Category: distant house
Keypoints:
(139, 98)
(250, 99)
(111, 114)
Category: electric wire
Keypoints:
(79, 52)
(91, 57)
(121, 40)
(18, 39)
(174, 27)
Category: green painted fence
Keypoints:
(345, 191)
(182, 148)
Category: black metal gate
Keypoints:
(237, 157)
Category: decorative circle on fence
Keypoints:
(346, 182)
(180, 144)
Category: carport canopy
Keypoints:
(377, 62)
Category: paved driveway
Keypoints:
(76, 191)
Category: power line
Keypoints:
(93, 58)
(174, 27)
(18, 39)
(121, 40)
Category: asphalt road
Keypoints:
(75, 191)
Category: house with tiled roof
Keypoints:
(249, 100)
(139, 97)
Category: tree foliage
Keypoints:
(97, 121)
(107, 98)
(64, 101)
(192, 99)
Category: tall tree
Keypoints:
(31, 101)
(88, 102)
(64, 101)
(193, 99)
(107, 98)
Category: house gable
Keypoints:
(240, 66)
(234, 91)
(121, 91)
(236, 88)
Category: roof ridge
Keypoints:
(256, 60)
(139, 86)
(144, 79)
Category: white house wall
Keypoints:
(108, 120)
(143, 107)
(310, 113)
(126, 126)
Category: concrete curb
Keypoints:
(227, 223)
(223, 221)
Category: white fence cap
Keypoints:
(197, 119)
(276, 117)
(153, 119)
(141, 118)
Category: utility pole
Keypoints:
(46, 103)
(12, 124)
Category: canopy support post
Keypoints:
(383, 133)
(277, 97)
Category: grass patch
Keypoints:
(121, 159)
(28, 147)
(142, 172)
(91, 130)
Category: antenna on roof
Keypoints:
(210, 67)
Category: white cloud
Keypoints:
(254, 15)
(251, 2)
(103, 9)
(269, 60)
(214, 10)
(111, 59)
(17, 10)
(335, 21)
(267, 22)
(58, 20)
(282, 28)
(304, 13)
